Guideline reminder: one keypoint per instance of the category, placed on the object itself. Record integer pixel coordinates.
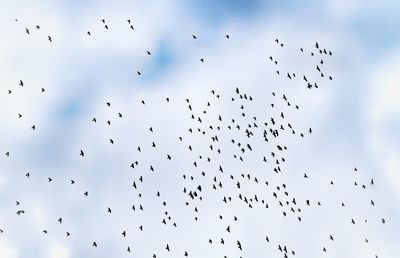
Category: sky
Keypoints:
(355, 120)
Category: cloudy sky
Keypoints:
(355, 120)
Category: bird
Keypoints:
(239, 245)
(49, 38)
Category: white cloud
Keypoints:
(76, 64)
(8, 252)
(58, 252)
(382, 115)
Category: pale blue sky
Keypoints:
(355, 119)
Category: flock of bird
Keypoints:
(246, 135)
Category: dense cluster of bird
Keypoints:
(246, 135)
